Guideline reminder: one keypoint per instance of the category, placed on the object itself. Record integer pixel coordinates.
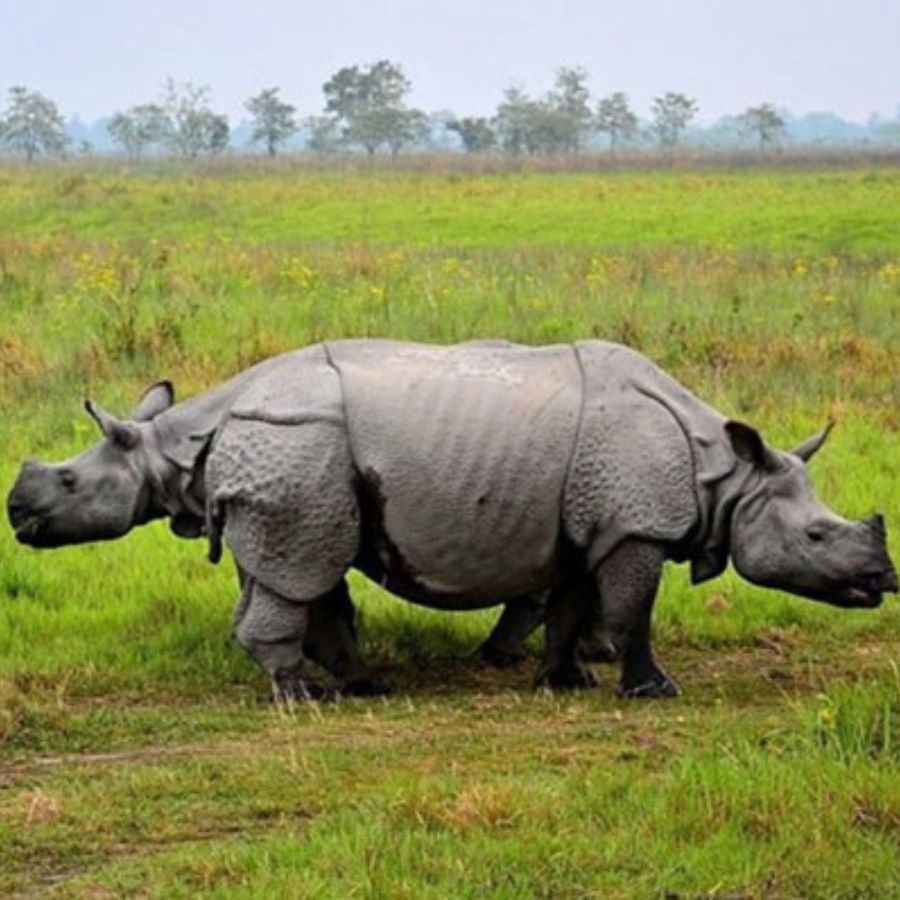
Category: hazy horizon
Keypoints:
(95, 57)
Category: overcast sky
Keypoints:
(96, 56)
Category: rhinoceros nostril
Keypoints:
(19, 513)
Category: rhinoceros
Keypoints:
(459, 478)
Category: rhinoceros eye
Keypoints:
(815, 534)
(68, 479)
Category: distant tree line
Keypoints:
(366, 109)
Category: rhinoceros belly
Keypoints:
(462, 455)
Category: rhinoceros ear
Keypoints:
(748, 445)
(155, 400)
(808, 449)
(124, 434)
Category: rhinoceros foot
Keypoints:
(567, 678)
(658, 686)
(292, 687)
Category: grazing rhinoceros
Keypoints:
(458, 477)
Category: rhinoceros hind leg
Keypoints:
(331, 642)
(272, 629)
(628, 580)
(568, 612)
(505, 646)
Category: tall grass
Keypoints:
(775, 295)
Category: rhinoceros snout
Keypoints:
(20, 504)
(18, 513)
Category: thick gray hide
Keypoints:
(281, 477)
(457, 475)
(462, 454)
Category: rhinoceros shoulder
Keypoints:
(633, 472)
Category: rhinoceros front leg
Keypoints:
(505, 645)
(628, 580)
(331, 642)
(272, 629)
(567, 616)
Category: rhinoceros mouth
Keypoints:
(861, 598)
(29, 531)
(866, 593)
(869, 592)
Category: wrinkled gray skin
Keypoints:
(557, 480)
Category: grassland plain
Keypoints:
(136, 756)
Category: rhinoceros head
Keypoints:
(783, 536)
(100, 494)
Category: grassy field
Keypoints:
(137, 753)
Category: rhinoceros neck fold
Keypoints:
(169, 491)
(178, 440)
(710, 547)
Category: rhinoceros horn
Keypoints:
(811, 446)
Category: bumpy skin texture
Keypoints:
(632, 471)
(280, 480)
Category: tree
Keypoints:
(557, 123)
(475, 132)
(32, 125)
(615, 118)
(138, 127)
(549, 129)
(671, 113)
(570, 101)
(514, 120)
(404, 126)
(273, 119)
(323, 134)
(191, 127)
(763, 122)
(369, 105)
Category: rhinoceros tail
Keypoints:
(215, 525)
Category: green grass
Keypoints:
(829, 210)
(136, 753)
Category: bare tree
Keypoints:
(32, 125)
(671, 114)
(273, 119)
(762, 122)
(138, 127)
(615, 118)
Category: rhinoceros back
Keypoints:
(462, 453)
